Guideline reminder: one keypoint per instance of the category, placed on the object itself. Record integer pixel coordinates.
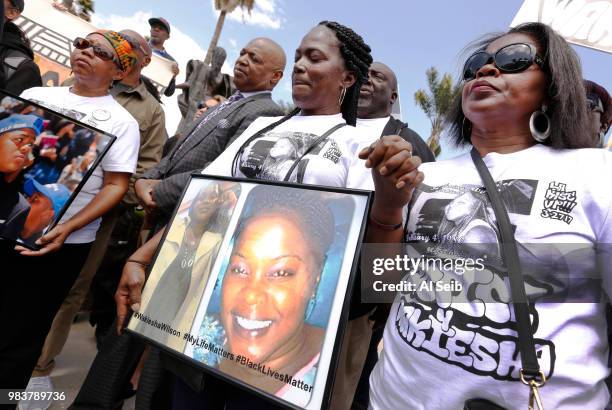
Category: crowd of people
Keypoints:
(523, 109)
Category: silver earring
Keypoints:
(539, 125)
(310, 307)
(342, 95)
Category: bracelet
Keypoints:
(141, 263)
(386, 227)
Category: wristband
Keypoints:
(386, 227)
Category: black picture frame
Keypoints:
(74, 189)
(339, 324)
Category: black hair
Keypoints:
(306, 208)
(357, 58)
(565, 96)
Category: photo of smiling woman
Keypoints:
(272, 300)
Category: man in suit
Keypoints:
(256, 72)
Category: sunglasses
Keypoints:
(594, 105)
(512, 58)
(100, 52)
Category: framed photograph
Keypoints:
(46, 159)
(251, 283)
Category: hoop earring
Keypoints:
(539, 125)
(342, 95)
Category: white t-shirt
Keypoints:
(272, 155)
(370, 130)
(437, 355)
(107, 115)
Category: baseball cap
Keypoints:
(18, 4)
(160, 20)
(20, 121)
(57, 193)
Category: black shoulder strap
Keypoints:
(393, 127)
(312, 146)
(529, 360)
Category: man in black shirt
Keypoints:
(376, 100)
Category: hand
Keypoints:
(394, 170)
(129, 291)
(51, 242)
(144, 192)
(175, 69)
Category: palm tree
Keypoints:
(437, 104)
(225, 6)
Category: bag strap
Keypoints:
(312, 146)
(530, 367)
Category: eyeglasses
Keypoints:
(512, 58)
(103, 54)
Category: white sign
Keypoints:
(51, 32)
(584, 22)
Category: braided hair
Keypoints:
(357, 58)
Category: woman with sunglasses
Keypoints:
(523, 111)
(38, 281)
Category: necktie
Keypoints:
(215, 111)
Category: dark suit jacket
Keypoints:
(203, 146)
(419, 147)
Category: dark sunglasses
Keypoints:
(103, 54)
(512, 58)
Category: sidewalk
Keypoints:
(73, 364)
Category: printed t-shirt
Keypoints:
(107, 115)
(439, 353)
(272, 155)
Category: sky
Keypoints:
(409, 36)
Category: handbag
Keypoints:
(530, 373)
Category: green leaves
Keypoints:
(230, 5)
(436, 103)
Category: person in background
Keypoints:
(376, 100)
(110, 241)
(47, 275)
(160, 32)
(599, 107)
(18, 67)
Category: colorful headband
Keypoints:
(127, 56)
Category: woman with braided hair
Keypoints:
(331, 64)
